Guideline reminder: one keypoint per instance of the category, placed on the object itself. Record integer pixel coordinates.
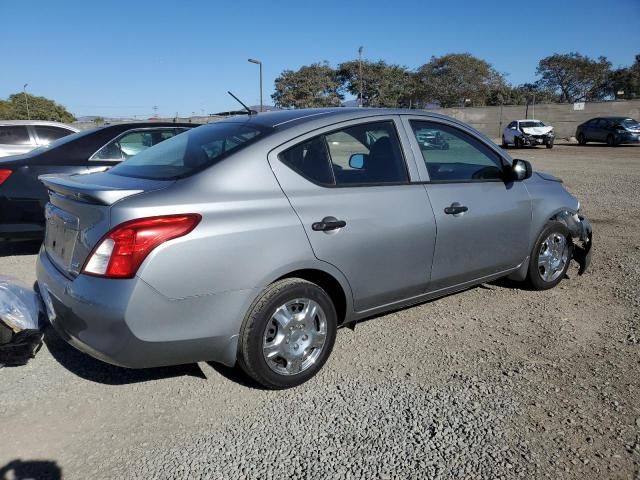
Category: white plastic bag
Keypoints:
(20, 305)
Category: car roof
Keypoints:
(132, 125)
(38, 122)
(528, 120)
(283, 119)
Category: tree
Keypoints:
(507, 94)
(626, 80)
(314, 85)
(383, 85)
(575, 77)
(40, 108)
(457, 79)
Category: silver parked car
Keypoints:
(253, 239)
(22, 136)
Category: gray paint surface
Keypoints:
(190, 296)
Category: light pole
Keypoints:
(259, 63)
(26, 99)
(360, 74)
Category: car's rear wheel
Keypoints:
(288, 334)
(611, 140)
(582, 140)
(550, 256)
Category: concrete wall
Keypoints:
(563, 117)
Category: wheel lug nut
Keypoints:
(295, 346)
(305, 337)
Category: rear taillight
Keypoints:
(121, 251)
(4, 174)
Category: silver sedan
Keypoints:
(252, 240)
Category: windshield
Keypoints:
(64, 140)
(190, 152)
(631, 123)
(531, 124)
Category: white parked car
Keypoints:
(22, 136)
(520, 133)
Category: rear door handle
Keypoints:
(328, 225)
(455, 209)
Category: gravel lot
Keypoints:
(494, 382)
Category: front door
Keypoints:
(350, 188)
(482, 220)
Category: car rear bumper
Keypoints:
(130, 324)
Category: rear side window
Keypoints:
(14, 135)
(191, 152)
(366, 154)
(454, 156)
(47, 134)
(311, 160)
(132, 143)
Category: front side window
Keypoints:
(14, 135)
(191, 151)
(132, 143)
(454, 156)
(47, 134)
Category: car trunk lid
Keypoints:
(78, 213)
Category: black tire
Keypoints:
(516, 142)
(611, 140)
(250, 345)
(534, 277)
(504, 142)
(582, 139)
(549, 144)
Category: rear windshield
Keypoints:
(191, 151)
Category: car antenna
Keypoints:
(249, 111)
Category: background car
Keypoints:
(22, 195)
(22, 136)
(612, 130)
(252, 240)
(520, 133)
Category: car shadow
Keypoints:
(21, 247)
(31, 469)
(94, 370)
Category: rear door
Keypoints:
(482, 220)
(350, 186)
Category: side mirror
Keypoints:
(521, 170)
(356, 161)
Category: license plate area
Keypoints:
(60, 236)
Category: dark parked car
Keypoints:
(23, 197)
(612, 130)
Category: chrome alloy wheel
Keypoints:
(295, 336)
(553, 257)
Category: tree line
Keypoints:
(455, 80)
(23, 106)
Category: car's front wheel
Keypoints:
(549, 143)
(550, 256)
(504, 142)
(517, 143)
(288, 334)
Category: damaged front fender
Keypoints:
(581, 235)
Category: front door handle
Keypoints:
(327, 225)
(455, 209)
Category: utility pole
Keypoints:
(26, 99)
(155, 111)
(360, 75)
(259, 63)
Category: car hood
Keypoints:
(537, 130)
(543, 177)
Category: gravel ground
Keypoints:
(494, 382)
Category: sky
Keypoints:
(122, 58)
